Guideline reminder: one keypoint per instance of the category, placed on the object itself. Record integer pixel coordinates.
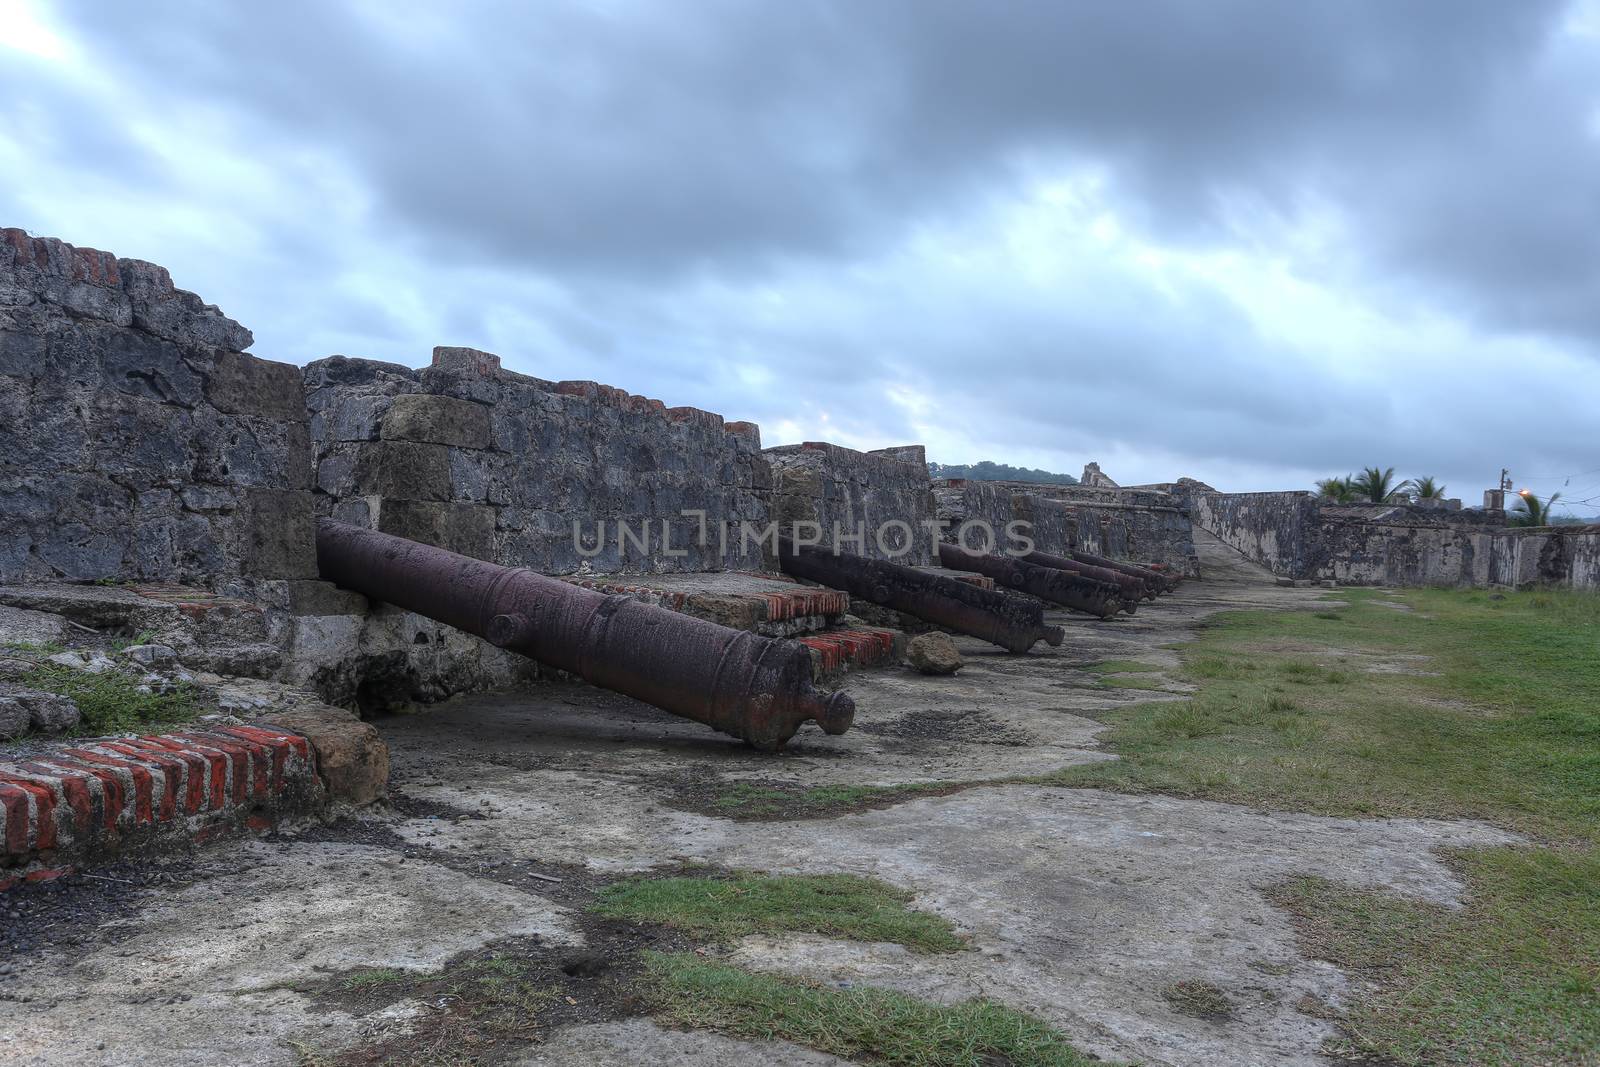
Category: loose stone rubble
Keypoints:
(933, 653)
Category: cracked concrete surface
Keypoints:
(200, 976)
(1081, 905)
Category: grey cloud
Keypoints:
(608, 189)
(650, 138)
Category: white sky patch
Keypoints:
(24, 29)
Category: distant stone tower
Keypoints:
(1093, 478)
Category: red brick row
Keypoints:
(103, 787)
(863, 647)
(807, 602)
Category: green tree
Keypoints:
(1378, 486)
(1531, 511)
(1337, 490)
(1426, 488)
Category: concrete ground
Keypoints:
(1081, 905)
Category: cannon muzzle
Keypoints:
(755, 688)
(1013, 623)
(1075, 591)
(1131, 589)
(1155, 582)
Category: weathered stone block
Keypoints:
(404, 469)
(144, 366)
(21, 354)
(439, 420)
(301, 597)
(352, 758)
(279, 536)
(464, 528)
(244, 385)
(350, 417)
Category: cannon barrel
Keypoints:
(1155, 583)
(755, 688)
(1075, 591)
(1132, 589)
(1013, 623)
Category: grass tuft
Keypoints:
(1511, 978)
(856, 1023)
(111, 702)
(1198, 999)
(1507, 730)
(1117, 681)
(1121, 666)
(747, 800)
(834, 905)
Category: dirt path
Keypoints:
(1083, 906)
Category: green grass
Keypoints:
(110, 701)
(1504, 728)
(746, 800)
(1117, 681)
(1512, 978)
(858, 1023)
(1286, 717)
(44, 648)
(834, 905)
(1121, 666)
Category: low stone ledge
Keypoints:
(82, 801)
(89, 799)
(835, 651)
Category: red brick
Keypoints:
(218, 761)
(44, 802)
(194, 778)
(236, 751)
(112, 797)
(143, 781)
(260, 759)
(15, 802)
(172, 773)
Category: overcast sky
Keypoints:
(1252, 243)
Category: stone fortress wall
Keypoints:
(139, 443)
(1135, 524)
(1298, 536)
(137, 440)
(511, 468)
(885, 494)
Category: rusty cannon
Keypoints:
(1013, 623)
(1131, 589)
(1101, 599)
(1155, 582)
(755, 688)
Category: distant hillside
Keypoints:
(988, 471)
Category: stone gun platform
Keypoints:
(770, 605)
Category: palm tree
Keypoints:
(1378, 485)
(1531, 511)
(1337, 490)
(1426, 488)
